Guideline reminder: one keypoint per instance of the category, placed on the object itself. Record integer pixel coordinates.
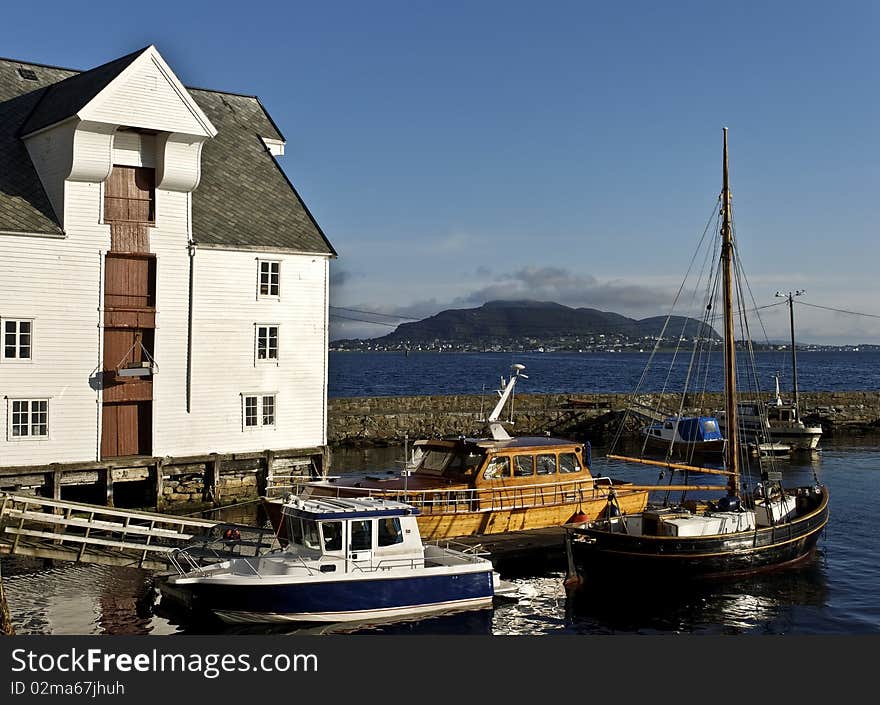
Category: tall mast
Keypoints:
(732, 445)
(790, 299)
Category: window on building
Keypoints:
(267, 343)
(258, 410)
(28, 418)
(268, 410)
(269, 278)
(17, 339)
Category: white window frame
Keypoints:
(260, 404)
(260, 295)
(17, 358)
(11, 414)
(267, 360)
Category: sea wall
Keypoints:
(366, 421)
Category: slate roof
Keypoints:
(244, 199)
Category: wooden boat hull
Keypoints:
(337, 601)
(602, 559)
(683, 448)
(447, 521)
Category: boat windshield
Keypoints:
(440, 462)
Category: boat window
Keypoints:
(389, 531)
(361, 535)
(709, 426)
(433, 462)
(499, 466)
(546, 463)
(311, 538)
(568, 462)
(523, 465)
(332, 531)
(295, 530)
(463, 463)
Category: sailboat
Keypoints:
(749, 529)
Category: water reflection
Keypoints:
(769, 604)
(477, 621)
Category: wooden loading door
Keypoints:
(127, 428)
(129, 313)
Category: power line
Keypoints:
(374, 313)
(362, 320)
(838, 310)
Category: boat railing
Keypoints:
(387, 564)
(490, 498)
(183, 562)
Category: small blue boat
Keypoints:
(349, 559)
(685, 435)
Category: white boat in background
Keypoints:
(778, 421)
(349, 559)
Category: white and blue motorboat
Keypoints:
(349, 559)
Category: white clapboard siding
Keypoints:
(134, 149)
(225, 310)
(51, 153)
(144, 96)
(55, 282)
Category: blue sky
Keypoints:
(457, 152)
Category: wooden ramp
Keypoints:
(87, 533)
(648, 413)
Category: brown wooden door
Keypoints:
(126, 429)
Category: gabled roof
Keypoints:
(243, 200)
(66, 98)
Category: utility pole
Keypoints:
(789, 297)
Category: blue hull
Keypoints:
(337, 600)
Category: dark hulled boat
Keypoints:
(749, 529)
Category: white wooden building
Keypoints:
(163, 288)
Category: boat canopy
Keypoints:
(324, 508)
(699, 428)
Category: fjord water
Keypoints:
(837, 592)
(426, 373)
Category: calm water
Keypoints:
(837, 593)
(397, 374)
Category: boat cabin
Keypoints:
(687, 429)
(474, 463)
(350, 533)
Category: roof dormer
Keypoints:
(70, 133)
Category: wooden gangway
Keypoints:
(87, 533)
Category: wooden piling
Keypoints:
(212, 479)
(159, 483)
(107, 484)
(6, 626)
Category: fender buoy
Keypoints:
(232, 535)
(577, 518)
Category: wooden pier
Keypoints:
(88, 533)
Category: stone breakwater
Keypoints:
(376, 421)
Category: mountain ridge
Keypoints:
(539, 320)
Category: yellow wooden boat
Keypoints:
(473, 486)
